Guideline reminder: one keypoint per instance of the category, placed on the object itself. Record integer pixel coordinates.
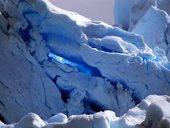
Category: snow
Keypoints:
(60, 117)
(30, 120)
(151, 112)
(157, 114)
(54, 61)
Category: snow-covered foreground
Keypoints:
(152, 112)
(54, 61)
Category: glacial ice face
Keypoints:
(153, 14)
(121, 12)
(127, 14)
(158, 21)
(139, 8)
(157, 37)
(116, 63)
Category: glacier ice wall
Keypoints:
(141, 15)
(127, 14)
(55, 61)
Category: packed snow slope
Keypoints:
(52, 61)
(152, 112)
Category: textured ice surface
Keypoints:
(151, 112)
(127, 14)
(149, 18)
(157, 20)
(139, 8)
(57, 61)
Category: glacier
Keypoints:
(153, 14)
(55, 61)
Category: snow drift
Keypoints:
(56, 61)
(151, 112)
